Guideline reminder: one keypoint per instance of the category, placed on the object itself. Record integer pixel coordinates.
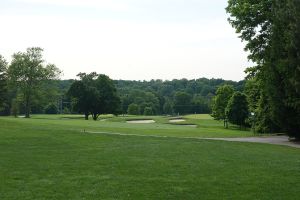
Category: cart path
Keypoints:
(278, 140)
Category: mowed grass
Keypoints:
(206, 126)
(52, 159)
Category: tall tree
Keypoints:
(237, 109)
(220, 102)
(200, 105)
(3, 81)
(168, 107)
(95, 94)
(27, 71)
(271, 30)
(108, 101)
(133, 109)
(253, 92)
(82, 97)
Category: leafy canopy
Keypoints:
(27, 71)
(220, 101)
(237, 109)
(94, 94)
(3, 81)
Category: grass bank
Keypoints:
(42, 158)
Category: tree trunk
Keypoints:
(95, 116)
(225, 123)
(27, 106)
(86, 116)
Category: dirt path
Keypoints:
(279, 140)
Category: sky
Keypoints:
(127, 39)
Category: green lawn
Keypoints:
(48, 157)
(206, 126)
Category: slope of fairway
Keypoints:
(46, 159)
(205, 127)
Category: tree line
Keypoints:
(271, 31)
(170, 97)
(30, 85)
(25, 81)
(231, 106)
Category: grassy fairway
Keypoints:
(206, 126)
(51, 159)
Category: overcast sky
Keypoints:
(127, 39)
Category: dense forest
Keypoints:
(171, 97)
(158, 97)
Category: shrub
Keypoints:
(133, 109)
(51, 109)
(148, 111)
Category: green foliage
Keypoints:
(220, 101)
(15, 107)
(252, 19)
(143, 99)
(148, 111)
(155, 93)
(253, 91)
(182, 103)
(82, 97)
(51, 109)
(133, 109)
(3, 81)
(66, 111)
(168, 107)
(271, 30)
(200, 105)
(27, 72)
(94, 94)
(108, 99)
(237, 109)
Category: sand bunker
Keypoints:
(176, 120)
(142, 121)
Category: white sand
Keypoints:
(148, 121)
(176, 120)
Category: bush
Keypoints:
(237, 109)
(148, 111)
(51, 109)
(14, 108)
(66, 111)
(133, 109)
